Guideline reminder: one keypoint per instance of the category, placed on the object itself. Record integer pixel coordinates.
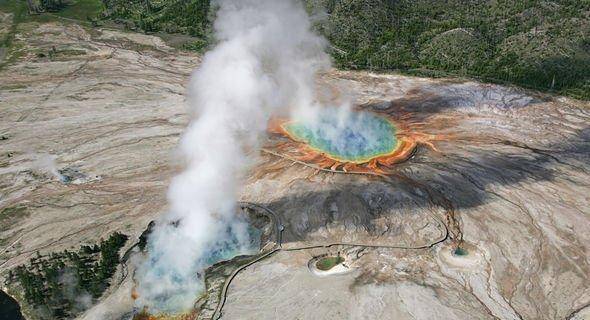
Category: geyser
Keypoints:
(266, 58)
(358, 139)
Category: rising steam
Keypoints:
(266, 60)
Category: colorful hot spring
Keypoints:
(357, 137)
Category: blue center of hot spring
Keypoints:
(357, 137)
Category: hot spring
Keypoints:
(173, 290)
(356, 137)
(231, 248)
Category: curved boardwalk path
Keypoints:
(279, 247)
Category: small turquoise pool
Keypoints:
(358, 138)
(460, 252)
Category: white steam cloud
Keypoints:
(266, 60)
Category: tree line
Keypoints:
(62, 284)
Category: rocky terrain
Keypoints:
(89, 120)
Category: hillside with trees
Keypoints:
(542, 45)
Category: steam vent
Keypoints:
(358, 142)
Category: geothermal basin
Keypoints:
(352, 141)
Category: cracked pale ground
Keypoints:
(514, 167)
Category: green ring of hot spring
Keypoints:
(358, 139)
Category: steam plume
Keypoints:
(266, 59)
